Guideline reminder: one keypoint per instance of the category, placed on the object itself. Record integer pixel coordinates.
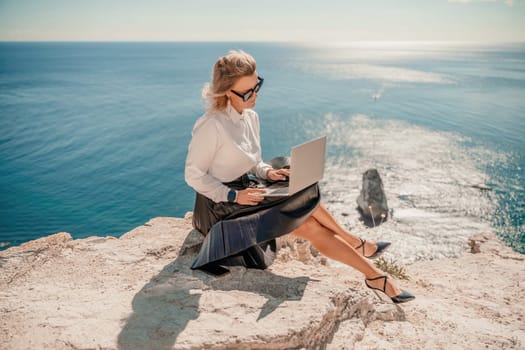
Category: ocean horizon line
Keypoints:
(350, 43)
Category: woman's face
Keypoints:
(242, 86)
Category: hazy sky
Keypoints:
(264, 20)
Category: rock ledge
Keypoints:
(137, 292)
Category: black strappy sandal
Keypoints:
(402, 297)
(381, 247)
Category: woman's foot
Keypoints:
(372, 250)
(382, 284)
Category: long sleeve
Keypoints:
(201, 152)
(261, 168)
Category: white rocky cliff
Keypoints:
(137, 292)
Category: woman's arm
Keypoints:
(201, 151)
(261, 168)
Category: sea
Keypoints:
(94, 135)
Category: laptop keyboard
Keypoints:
(282, 190)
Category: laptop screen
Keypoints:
(307, 164)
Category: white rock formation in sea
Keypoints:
(137, 292)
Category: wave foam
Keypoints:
(428, 178)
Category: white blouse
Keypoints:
(224, 145)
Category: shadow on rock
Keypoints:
(164, 307)
(275, 288)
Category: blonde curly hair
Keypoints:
(226, 71)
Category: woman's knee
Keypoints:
(309, 229)
(311, 224)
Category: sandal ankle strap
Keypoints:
(384, 277)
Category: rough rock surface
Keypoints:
(137, 292)
(372, 198)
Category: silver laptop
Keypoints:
(306, 168)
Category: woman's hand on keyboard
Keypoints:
(278, 175)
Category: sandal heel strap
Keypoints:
(385, 278)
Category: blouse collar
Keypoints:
(232, 113)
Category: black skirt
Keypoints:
(245, 235)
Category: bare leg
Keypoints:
(326, 219)
(333, 246)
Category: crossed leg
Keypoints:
(323, 216)
(334, 246)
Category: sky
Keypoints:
(491, 21)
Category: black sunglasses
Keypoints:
(248, 94)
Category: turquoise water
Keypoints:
(94, 135)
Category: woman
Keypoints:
(240, 224)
